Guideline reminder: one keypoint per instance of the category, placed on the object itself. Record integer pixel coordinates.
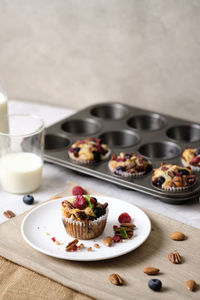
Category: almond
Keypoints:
(151, 271)
(177, 236)
(108, 241)
(190, 285)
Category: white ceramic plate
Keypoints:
(46, 218)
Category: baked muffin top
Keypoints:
(82, 208)
(128, 163)
(90, 149)
(191, 156)
(169, 175)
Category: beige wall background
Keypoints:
(77, 52)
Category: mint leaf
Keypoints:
(124, 233)
(87, 198)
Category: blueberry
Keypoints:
(121, 168)
(28, 199)
(159, 181)
(155, 284)
(197, 152)
(77, 149)
(98, 211)
(184, 172)
(97, 156)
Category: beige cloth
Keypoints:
(91, 278)
(19, 283)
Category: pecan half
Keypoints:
(116, 279)
(171, 173)
(9, 214)
(191, 179)
(118, 231)
(68, 204)
(174, 257)
(71, 245)
(114, 157)
(105, 205)
(128, 225)
(81, 215)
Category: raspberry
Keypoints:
(78, 190)
(120, 159)
(53, 239)
(124, 218)
(74, 248)
(196, 159)
(80, 202)
(116, 239)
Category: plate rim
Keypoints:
(126, 251)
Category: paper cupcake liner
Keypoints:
(126, 174)
(83, 161)
(85, 230)
(193, 168)
(175, 189)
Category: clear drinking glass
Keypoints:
(3, 111)
(21, 154)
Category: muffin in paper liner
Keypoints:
(193, 168)
(168, 174)
(191, 158)
(88, 151)
(126, 161)
(85, 230)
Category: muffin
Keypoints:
(191, 157)
(84, 217)
(173, 178)
(128, 165)
(89, 150)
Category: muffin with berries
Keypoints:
(84, 217)
(191, 157)
(129, 164)
(89, 150)
(173, 178)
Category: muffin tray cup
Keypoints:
(124, 128)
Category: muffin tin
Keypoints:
(157, 137)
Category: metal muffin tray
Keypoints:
(157, 137)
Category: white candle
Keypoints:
(20, 173)
(3, 114)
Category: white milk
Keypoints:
(3, 113)
(20, 173)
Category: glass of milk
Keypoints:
(21, 154)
